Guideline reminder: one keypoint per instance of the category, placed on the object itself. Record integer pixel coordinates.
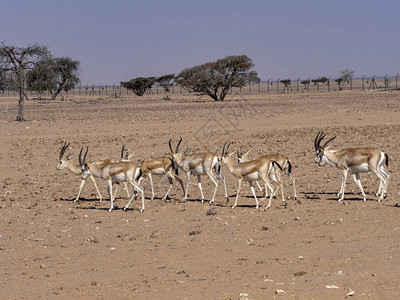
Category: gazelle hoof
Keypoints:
(110, 210)
(339, 200)
(125, 208)
(233, 206)
(142, 210)
(267, 207)
(226, 200)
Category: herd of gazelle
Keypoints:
(267, 168)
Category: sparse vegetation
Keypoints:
(215, 79)
(139, 85)
(54, 75)
(14, 64)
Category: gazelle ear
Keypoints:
(233, 152)
(184, 152)
(247, 153)
(131, 155)
(69, 156)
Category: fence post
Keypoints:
(259, 87)
(386, 84)
(396, 80)
(329, 84)
(362, 82)
(351, 83)
(268, 86)
(277, 85)
(298, 79)
(308, 85)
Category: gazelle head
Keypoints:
(175, 155)
(242, 157)
(225, 155)
(321, 158)
(63, 161)
(126, 157)
(82, 162)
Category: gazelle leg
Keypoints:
(171, 183)
(97, 189)
(201, 190)
(267, 183)
(381, 178)
(187, 185)
(127, 190)
(253, 192)
(152, 187)
(181, 183)
(137, 188)
(237, 193)
(259, 186)
(380, 189)
(384, 187)
(215, 181)
(116, 190)
(356, 177)
(344, 178)
(278, 181)
(266, 191)
(220, 176)
(80, 189)
(109, 189)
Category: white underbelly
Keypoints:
(363, 168)
(159, 171)
(251, 177)
(197, 171)
(118, 178)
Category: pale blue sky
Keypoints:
(121, 39)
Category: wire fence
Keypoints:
(309, 85)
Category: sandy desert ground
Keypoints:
(53, 248)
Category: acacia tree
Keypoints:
(18, 60)
(139, 85)
(215, 79)
(166, 81)
(54, 75)
(346, 74)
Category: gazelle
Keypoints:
(157, 166)
(112, 173)
(66, 163)
(198, 164)
(251, 171)
(281, 159)
(356, 161)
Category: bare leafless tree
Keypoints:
(18, 60)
